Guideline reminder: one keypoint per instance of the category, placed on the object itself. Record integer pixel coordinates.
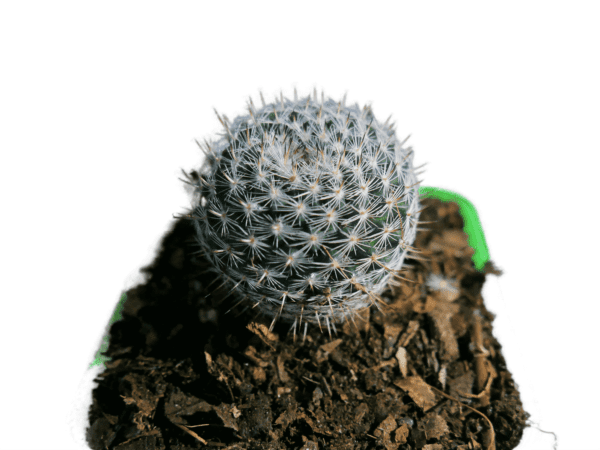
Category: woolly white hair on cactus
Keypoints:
(306, 209)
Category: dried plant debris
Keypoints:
(425, 373)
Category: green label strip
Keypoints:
(472, 224)
(116, 316)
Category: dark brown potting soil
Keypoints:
(428, 374)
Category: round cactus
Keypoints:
(306, 209)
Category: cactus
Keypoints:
(306, 210)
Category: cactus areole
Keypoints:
(306, 209)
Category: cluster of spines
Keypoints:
(306, 210)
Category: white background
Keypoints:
(100, 102)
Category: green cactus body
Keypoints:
(306, 208)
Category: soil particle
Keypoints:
(424, 373)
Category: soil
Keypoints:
(424, 373)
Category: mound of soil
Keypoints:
(424, 373)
